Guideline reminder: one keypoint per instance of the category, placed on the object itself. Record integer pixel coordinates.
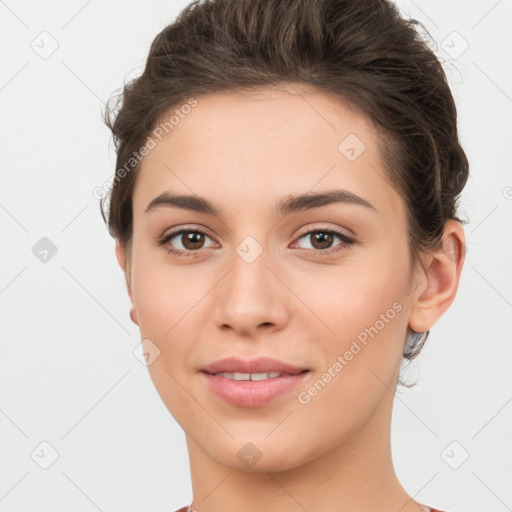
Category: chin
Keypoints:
(263, 456)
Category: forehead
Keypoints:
(268, 141)
(267, 117)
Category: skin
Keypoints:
(243, 152)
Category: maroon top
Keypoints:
(185, 509)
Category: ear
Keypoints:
(124, 262)
(438, 281)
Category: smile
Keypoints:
(249, 376)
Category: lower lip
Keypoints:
(252, 393)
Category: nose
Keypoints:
(251, 298)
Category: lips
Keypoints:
(252, 383)
(259, 365)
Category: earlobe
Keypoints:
(439, 282)
(120, 255)
(124, 264)
(133, 315)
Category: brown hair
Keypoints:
(361, 51)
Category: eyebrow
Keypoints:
(286, 205)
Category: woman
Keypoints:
(285, 212)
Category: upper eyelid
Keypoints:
(324, 228)
(179, 230)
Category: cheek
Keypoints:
(164, 292)
(168, 302)
(172, 304)
(363, 304)
(360, 362)
(354, 294)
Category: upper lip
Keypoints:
(259, 365)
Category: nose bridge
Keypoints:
(250, 265)
(251, 294)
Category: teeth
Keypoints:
(249, 376)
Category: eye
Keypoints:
(321, 240)
(191, 241)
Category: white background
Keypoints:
(68, 375)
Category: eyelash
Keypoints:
(346, 242)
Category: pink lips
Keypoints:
(249, 393)
(259, 365)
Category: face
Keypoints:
(323, 284)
